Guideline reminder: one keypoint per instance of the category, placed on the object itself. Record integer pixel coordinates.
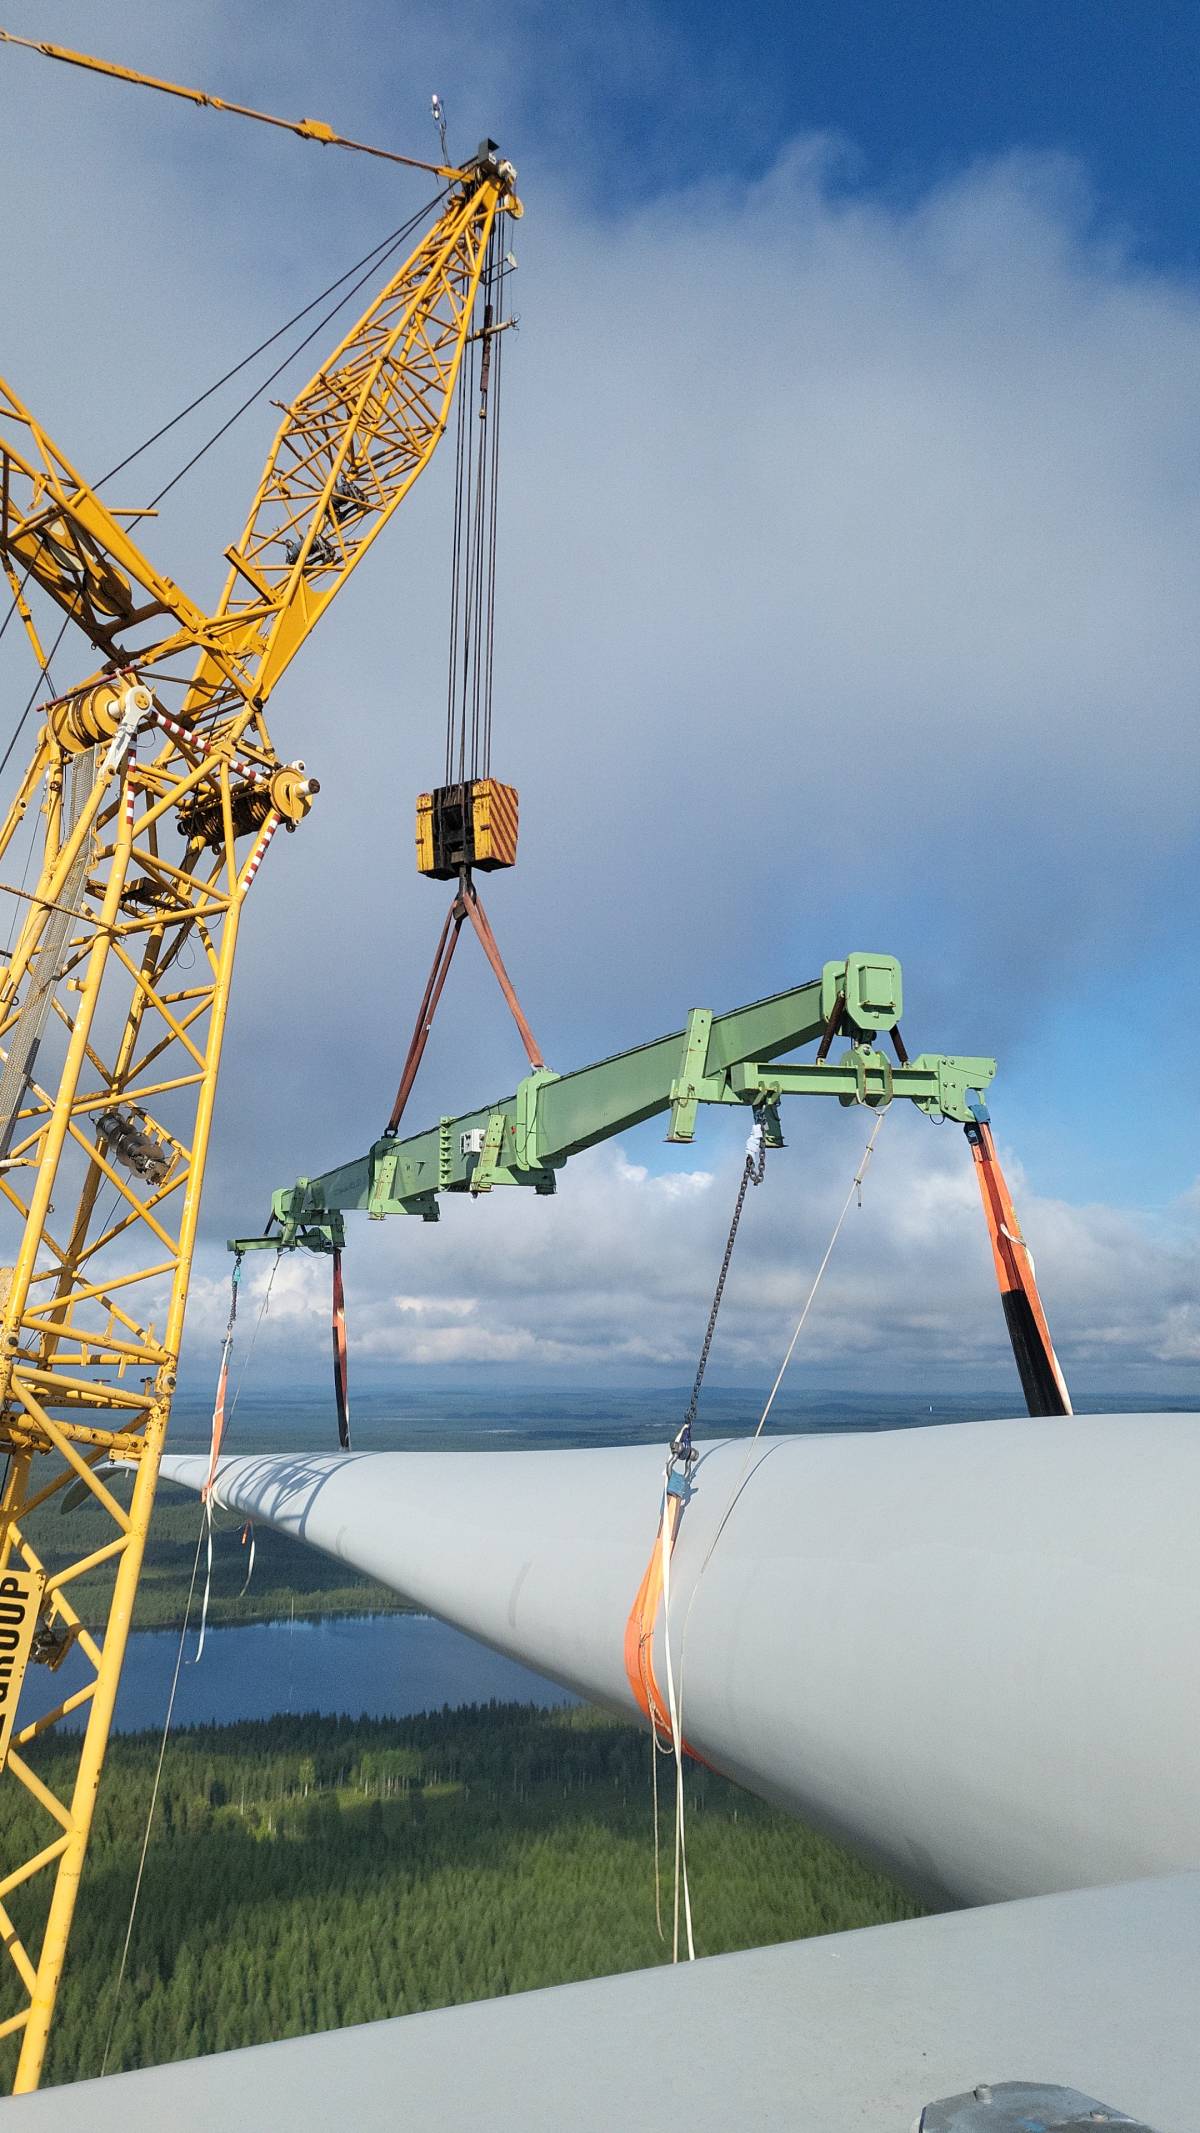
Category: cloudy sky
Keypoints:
(851, 515)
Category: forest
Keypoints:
(287, 1576)
(309, 1872)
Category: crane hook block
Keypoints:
(468, 825)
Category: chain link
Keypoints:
(753, 1173)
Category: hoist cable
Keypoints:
(455, 564)
(464, 575)
(474, 541)
(497, 361)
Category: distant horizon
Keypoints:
(414, 1380)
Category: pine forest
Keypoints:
(310, 1872)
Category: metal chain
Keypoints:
(753, 1173)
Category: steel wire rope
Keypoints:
(477, 582)
(480, 507)
(466, 574)
(289, 358)
(460, 447)
(474, 537)
(31, 699)
(485, 617)
(753, 1172)
(368, 259)
(205, 1523)
(499, 283)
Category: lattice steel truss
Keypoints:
(113, 1001)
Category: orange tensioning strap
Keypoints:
(639, 1629)
(218, 1418)
(341, 1363)
(1042, 1381)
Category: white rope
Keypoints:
(1020, 1241)
(677, 1721)
(208, 1512)
(855, 1187)
(207, 1530)
(206, 1522)
(162, 1750)
(655, 1752)
(681, 1872)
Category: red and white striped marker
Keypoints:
(264, 838)
(252, 772)
(175, 732)
(130, 795)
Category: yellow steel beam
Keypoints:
(83, 1375)
(308, 129)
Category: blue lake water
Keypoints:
(384, 1666)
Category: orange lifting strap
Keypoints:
(639, 1629)
(466, 905)
(1042, 1381)
(341, 1359)
(222, 1393)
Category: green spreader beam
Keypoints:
(717, 1059)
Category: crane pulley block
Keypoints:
(472, 824)
(90, 716)
(284, 790)
(865, 992)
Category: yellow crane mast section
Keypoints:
(113, 999)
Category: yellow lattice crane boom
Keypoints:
(160, 790)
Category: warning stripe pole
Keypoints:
(1042, 1380)
(258, 854)
(184, 740)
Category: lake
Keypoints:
(381, 1666)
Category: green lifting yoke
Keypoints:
(736, 1058)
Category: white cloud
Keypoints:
(613, 1278)
(847, 598)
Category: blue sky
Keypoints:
(848, 598)
(919, 88)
